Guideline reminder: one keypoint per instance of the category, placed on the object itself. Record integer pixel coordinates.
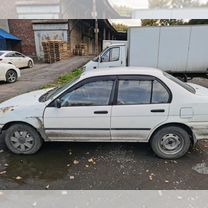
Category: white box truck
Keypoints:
(180, 50)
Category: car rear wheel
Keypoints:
(30, 64)
(22, 139)
(11, 76)
(170, 142)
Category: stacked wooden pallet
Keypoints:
(55, 50)
(81, 50)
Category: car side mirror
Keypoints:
(57, 103)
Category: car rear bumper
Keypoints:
(200, 130)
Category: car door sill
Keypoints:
(97, 140)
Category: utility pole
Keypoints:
(96, 29)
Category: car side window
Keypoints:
(111, 55)
(95, 93)
(135, 92)
(159, 93)
(18, 55)
(10, 55)
(114, 55)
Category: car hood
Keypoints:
(200, 90)
(30, 98)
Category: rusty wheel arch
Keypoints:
(183, 126)
(9, 124)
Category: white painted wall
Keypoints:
(48, 32)
(4, 24)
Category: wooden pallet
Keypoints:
(55, 50)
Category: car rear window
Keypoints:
(179, 82)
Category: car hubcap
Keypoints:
(11, 77)
(171, 144)
(22, 141)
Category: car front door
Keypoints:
(14, 59)
(84, 113)
(142, 103)
(111, 58)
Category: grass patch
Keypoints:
(64, 78)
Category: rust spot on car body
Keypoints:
(7, 109)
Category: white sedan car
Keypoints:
(116, 105)
(16, 58)
(9, 73)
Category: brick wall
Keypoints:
(23, 29)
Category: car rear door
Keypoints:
(141, 104)
(84, 114)
(20, 60)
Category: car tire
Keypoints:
(30, 64)
(11, 76)
(170, 142)
(23, 139)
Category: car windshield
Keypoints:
(1, 53)
(179, 82)
(55, 91)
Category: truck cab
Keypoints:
(113, 56)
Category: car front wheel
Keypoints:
(170, 142)
(22, 139)
(11, 76)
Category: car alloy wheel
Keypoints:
(30, 64)
(11, 76)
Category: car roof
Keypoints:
(5, 51)
(123, 71)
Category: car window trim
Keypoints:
(85, 81)
(141, 78)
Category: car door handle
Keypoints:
(101, 112)
(158, 111)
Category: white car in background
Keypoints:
(9, 73)
(116, 105)
(16, 58)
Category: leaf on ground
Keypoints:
(76, 162)
(18, 178)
